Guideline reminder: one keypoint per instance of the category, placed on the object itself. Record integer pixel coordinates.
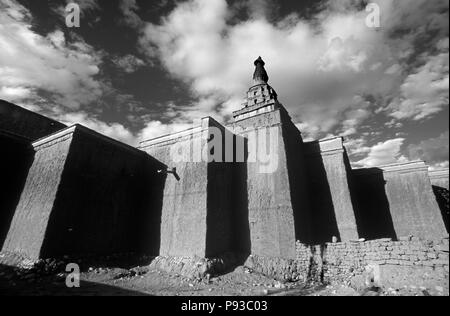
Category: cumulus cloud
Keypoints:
(30, 63)
(318, 66)
(425, 92)
(384, 153)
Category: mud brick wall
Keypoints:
(329, 191)
(197, 205)
(277, 216)
(86, 194)
(397, 200)
(29, 224)
(407, 260)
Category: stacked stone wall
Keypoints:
(384, 262)
(340, 261)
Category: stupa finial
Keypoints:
(260, 76)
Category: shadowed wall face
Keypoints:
(29, 225)
(332, 205)
(439, 180)
(442, 198)
(298, 179)
(373, 213)
(221, 225)
(21, 122)
(16, 156)
(401, 194)
(99, 208)
(83, 196)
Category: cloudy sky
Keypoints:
(138, 69)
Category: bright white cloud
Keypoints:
(384, 153)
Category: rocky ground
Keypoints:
(140, 281)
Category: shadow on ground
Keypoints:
(13, 283)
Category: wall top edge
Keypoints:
(418, 165)
(325, 145)
(439, 173)
(170, 137)
(80, 128)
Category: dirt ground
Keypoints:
(142, 282)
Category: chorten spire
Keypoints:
(261, 97)
(260, 76)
